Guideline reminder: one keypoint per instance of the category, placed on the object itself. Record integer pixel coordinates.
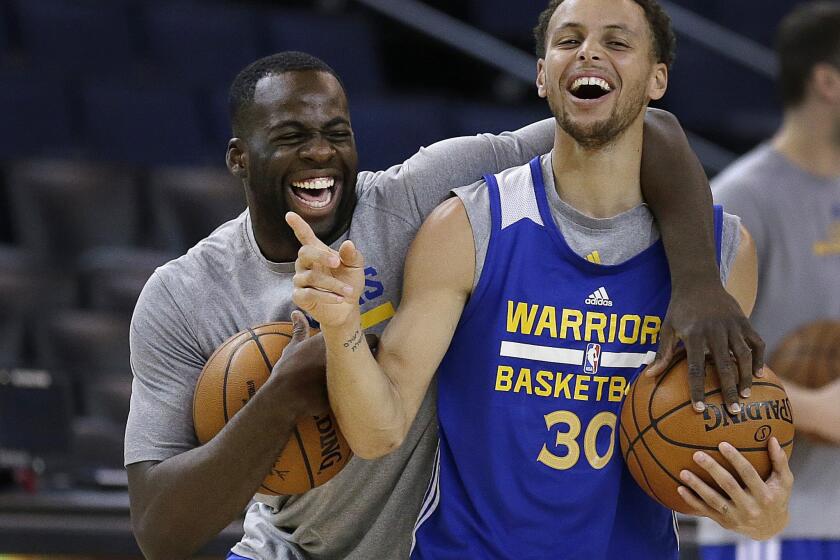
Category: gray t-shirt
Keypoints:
(794, 218)
(614, 240)
(224, 284)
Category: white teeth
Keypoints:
(316, 183)
(591, 81)
(317, 203)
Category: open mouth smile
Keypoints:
(315, 193)
(589, 88)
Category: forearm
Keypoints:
(218, 478)
(362, 396)
(677, 191)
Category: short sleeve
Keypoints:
(166, 362)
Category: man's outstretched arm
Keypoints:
(701, 314)
(376, 401)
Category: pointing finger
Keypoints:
(302, 230)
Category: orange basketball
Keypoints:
(317, 450)
(810, 355)
(660, 431)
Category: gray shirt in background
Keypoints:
(224, 284)
(794, 218)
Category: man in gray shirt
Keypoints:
(293, 148)
(787, 192)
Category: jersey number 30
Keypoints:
(568, 439)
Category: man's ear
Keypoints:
(541, 90)
(237, 158)
(825, 82)
(658, 81)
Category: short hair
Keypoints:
(807, 36)
(664, 41)
(244, 85)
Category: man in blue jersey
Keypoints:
(507, 290)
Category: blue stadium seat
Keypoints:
(390, 130)
(505, 18)
(201, 42)
(77, 36)
(36, 119)
(142, 124)
(346, 43)
(719, 99)
(189, 203)
(111, 278)
(755, 19)
(28, 289)
(61, 208)
(467, 119)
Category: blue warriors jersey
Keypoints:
(529, 396)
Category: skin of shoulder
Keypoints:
(438, 280)
(742, 283)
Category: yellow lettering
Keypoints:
(595, 326)
(562, 384)
(636, 322)
(522, 318)
(613, 322)
(572, 319)
(524, 380)
(651, 327)
(617, 386)
(566, 439)
(504, 378)
(600, 381)
(600, 420)
(548, 320)
(544, 379)
(581, 387)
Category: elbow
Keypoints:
(158, 544)
(375, 448)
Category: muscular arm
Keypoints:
(376, 400)
(702, 314)
(179, 504)
(753, 507)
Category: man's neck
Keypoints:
(601, 182)
(809, 140)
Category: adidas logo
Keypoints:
(599, 297)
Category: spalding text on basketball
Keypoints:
(330, 450)
(716, 415)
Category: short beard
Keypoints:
(601, 134)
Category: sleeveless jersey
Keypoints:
(529, 395)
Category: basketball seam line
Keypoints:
(305, 458)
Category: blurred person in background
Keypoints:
(787, 192)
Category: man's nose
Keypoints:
(318, 149)
(589, 50)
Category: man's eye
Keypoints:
(568, 42)
(339, 135)
(618, 44)
(289, 138)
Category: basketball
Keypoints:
(660, 431)
(317, 450)
(810, 355)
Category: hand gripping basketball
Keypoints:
(328, 283)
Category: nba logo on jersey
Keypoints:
(592, 358)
